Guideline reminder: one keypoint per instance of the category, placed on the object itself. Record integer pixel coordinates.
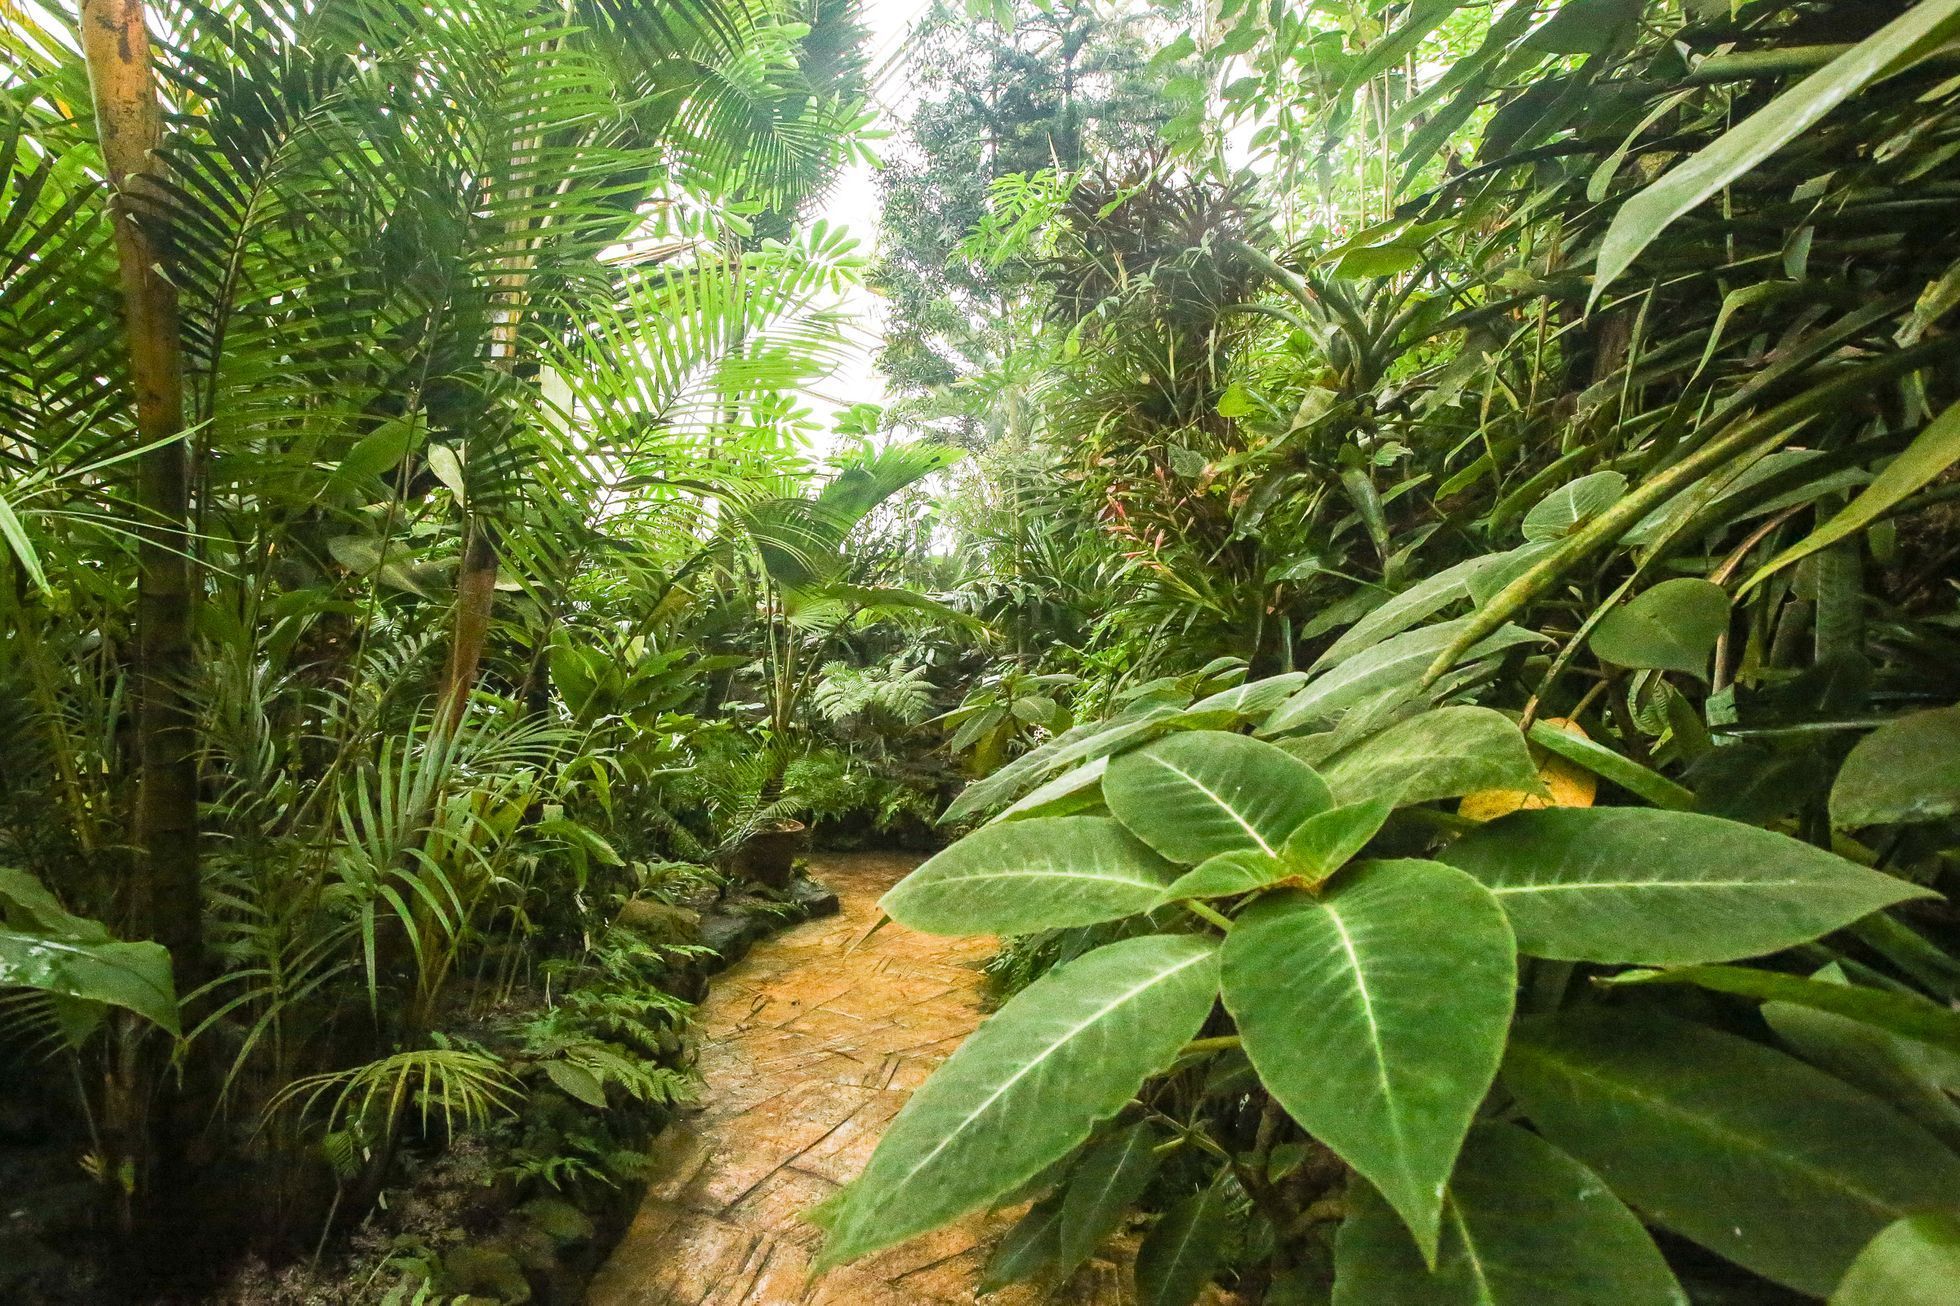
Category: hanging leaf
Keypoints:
(447, 468)
(1376, 1015)
(1725, 1141)
(1914, 1261)
(1038, 874)
(1567, 741)
(1102, 1190)
(1027, 1087)
(576, 1082)
(1671, 627)
(1182, 1251)
(1439, 754)
(1627, 885)
(1085, 743)
(1195, 795)
(1027, 1249)
(1643, 218)
(1905, 771)
(1919, 1079)
(1906, 1015)
(1526, 1225)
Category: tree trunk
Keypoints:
(165, 896)
(148, 1117)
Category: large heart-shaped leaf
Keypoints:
(1749, 1152)
(1907, 770)
(1524, 1225)
(1027, 1087)
(1671, 627)
(1623, 884)
(1440, 754)
(1195, 795)
(1039, 874)
(1376, 1016)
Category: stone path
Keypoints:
(808, 1048)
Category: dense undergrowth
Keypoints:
(1357, 472)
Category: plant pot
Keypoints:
(769, 856)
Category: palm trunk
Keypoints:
(165, 897)
(148, 1119)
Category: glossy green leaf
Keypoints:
(1929, 455)
(1623, 884)
(1749, 1152)
(1643, 218)
(1254, 698)
(1440, 754)
(1194, 795)
(1039, 874)
(1914, 1261)
(1182, 1251)
(1376, 1015)
(1906, 770)
(1672, 626)
(1102, 1190)
(1573, 504)
(576, 1082)
(1523, 1225)
(135, 976)
(1027, 1087)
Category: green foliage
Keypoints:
(1372, 998)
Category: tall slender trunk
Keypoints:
(148, 1117)
(165, 898)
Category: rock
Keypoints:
(730, 936)
(660, 922)
(486, 1272)
(562, 1222)
(814, 896)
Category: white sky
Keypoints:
(853, 204)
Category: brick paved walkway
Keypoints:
(809, 1047)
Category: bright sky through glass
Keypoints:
(853, 204)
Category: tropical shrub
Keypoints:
(1432, 1021)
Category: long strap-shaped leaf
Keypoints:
(1026, 1088)
(1644, 217)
